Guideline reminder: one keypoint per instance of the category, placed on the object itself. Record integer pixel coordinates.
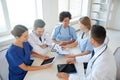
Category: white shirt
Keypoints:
(35, 42)
(102, 67)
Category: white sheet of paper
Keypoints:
(59, 50)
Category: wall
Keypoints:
(50, 13)
(114, 22)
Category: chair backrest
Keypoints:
(117, 58)
(3, 65)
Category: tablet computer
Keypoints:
(48, 61)
(67, 68)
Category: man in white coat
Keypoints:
(38, 39)
(102, 64)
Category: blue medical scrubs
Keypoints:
(64, 34)
(15, 57)
(84, 43)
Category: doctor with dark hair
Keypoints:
(102, 65)
(63, 33)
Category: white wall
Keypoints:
(114, 22)
(50, 13)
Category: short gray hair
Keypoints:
(39, 23)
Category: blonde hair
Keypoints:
(86, 21)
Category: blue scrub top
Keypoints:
(64, 34)
(84, 43)
(15, 57)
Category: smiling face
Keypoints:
(39, 31)
(66, 21)
(23, 37)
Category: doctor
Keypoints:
(38, 39)
(102, 66)
(18, 55)
(63, 33)
(82, 41)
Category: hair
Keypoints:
(39, 23)
(98, 33)
(64, 15)
(18, 30)
(85, 21)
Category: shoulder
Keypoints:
(81, 32)
(32, 34)
(26, 43)
(57, 26)
(12, 50)
(71, 28)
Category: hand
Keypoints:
(46, 66)
(63, 76)
(71, 61)
(43, 46)
(70, 56)
(62, 43)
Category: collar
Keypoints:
(98, 48)
(36, 34)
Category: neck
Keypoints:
(18, 43)
(86, 31)
(64, 26)
(97, 45)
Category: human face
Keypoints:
(23, 37)
(39, 31)
(83, 27)
(66, 22)
(92, 41)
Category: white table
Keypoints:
(50, 73)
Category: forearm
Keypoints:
(74, 44)
(33, 68)
(70, 42)
(64, 79)
(82, 54)
(36, 55)
(55, 41)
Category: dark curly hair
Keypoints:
(64, 15)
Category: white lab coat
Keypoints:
(35, 42)
(104, 67)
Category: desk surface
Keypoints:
(50, 73)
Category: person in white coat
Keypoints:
(102, 65)
(38, 39)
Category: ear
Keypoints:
(92, 41)
(17, 37)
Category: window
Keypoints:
(23, 12)
(3, 27)
(76, 7)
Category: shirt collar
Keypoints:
(98, 48)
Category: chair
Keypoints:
(117, 59)
(3, 65)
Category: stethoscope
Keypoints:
(98, 56)
(60, 29)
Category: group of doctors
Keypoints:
(91, 41)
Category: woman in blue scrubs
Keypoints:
(64, 33)
(83, 39)
(18, 55)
